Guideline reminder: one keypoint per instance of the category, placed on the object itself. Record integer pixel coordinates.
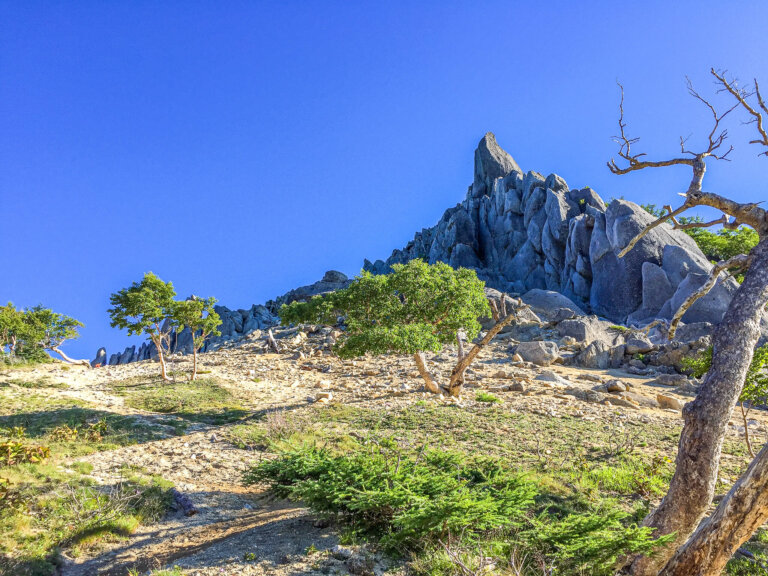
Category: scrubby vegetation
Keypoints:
(432, 504)
(25, 335)
(419, 307)
(755, 390)
(46, 505)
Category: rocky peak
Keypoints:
(491, 162)
(524, 232)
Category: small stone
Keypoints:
(669, 402)
(616, 386)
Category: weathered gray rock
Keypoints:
(669, 402)
(549, 304)
(526, 232)
(588, 329)
(639, 344)
(601, 355)
(127, 356)
(541, 353)
(710, 308)
(100, 359)
(673, 380)
(693, 332)
(331, 281)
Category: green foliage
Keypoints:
(724, 244)
(199, 316)
(588, 543)
(413, 501)
(199, 401)
(12, 326)
(719, 244)
(406, 505)
(27, 334)
(418, 307)
(142, 308)
(755, 388)
(14, 452)
(486, 397)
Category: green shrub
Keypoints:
(413, 502)
(486, 397)
(756, 383)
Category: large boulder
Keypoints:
(588, 329)
(601, 355)
(541, 353)
(546, 303)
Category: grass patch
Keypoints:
(487, 397)
(69, 427)
(203, 400)
(46, 511)
(32, 383)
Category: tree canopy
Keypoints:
(418, 307)
(27, 334)
(143, 307)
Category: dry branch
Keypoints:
(272, 342)
(739, 262)
(69, 360)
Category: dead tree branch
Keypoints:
(271, 342)
(706, 418)
(739, 262)
(741, 97)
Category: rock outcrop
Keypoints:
(557, 247)
(235, 324)
(523, 232)
(332, 280)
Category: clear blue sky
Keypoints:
(242, 149)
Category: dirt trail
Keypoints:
(237, 530)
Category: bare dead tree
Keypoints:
(703, 551)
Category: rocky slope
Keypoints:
(523, 231)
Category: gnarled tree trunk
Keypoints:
(161, 357)
(69, 360)
(738, 516)
(706, 419)
(429, 381)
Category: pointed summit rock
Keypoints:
(491, 162)
(524, 232)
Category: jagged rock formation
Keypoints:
(523, 231)
(532, 235)
(235, 324)
(332, 280)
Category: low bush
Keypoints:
(426, 502)
(14, 452)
